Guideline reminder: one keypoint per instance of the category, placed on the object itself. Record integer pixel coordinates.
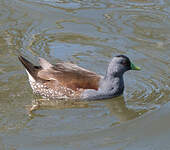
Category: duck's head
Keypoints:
(119, 65)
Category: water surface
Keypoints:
(88, 33)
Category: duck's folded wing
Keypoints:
(69, 75)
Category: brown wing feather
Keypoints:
(70, 76)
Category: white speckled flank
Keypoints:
(60, 92)
(43, 90)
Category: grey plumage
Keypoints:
(112, 85)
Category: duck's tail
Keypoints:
(30, 68)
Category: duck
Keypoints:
(65, 80)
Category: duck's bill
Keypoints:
(134, 67)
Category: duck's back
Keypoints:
(62, 80)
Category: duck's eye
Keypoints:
(125, 63)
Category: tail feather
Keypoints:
(30, 68)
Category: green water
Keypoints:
(88, 33)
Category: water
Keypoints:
(88, 33)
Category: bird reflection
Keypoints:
(55, 104)
(118, 108)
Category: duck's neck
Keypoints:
(110, 86)
(113, 82)
(113, 75)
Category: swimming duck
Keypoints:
(67, 80)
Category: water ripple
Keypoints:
(88, 33)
